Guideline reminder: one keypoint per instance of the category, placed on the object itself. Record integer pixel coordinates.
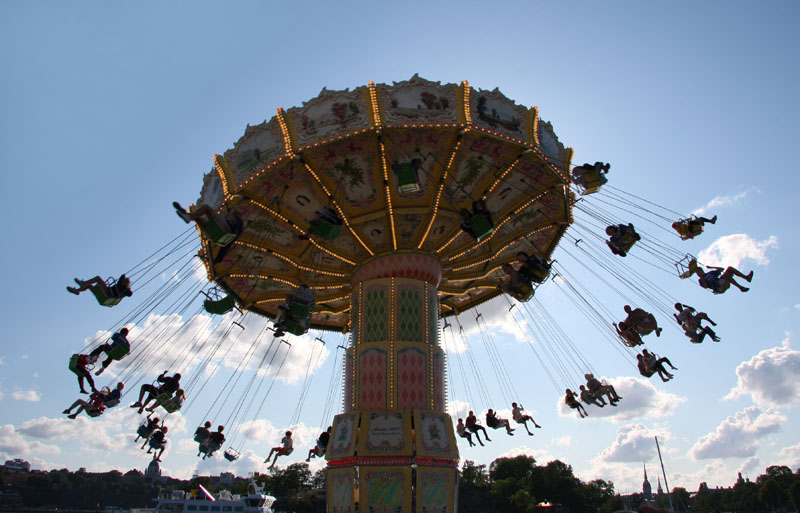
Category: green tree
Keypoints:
(773, 495)
(473, 488)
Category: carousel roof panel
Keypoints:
(344, 151)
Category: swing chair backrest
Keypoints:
(300, 310)
(480, 225)
(119, 350)
(231, 455)
(296, 327)
(536, 273)
(217, 234)
(155, 443)
(143, 431)
(73, 363)
(166, 401)
(406, 177)
(100, 293)
(328, 226)
(220, 306)
(523, 292)
(594, 180)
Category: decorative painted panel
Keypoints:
(372, 379)
(385, 489)
(419, 101)
(433, 317)
(341, 492)
(435, 490)
(376, 324)
(342, 443)
(493, 111)
(549, 143)
(385, 434)
(409, 312)
(355, 303)
(329, 115)
(412, 383)
(439, 380)
(348, 380)
(260, 146)
(435, 435)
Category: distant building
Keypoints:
(153, 472)
(659, 490)
(18, 465)
(647, 490)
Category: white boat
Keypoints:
(178, 501)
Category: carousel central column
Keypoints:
(394, 445)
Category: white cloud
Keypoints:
(541, 456)
(771, 377)
(31, 396)
(634, 443)
(3, 358)
(24, 357)
(12, 442)
(791, 456)
(564, 441)
(738, 435)
(458, 409)
(639, 399)
(732, 250)
(724, 201)
(751, 465)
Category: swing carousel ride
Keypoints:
(390, 207)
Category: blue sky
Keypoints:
(111, 111)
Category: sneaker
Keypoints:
(658, 331)
(279, 333)
(745, 289)
(84, 391)
(749, 277)
(137, 404)
(713, 220)
(73, 290)
(66, 411)
(100, 371)
(72, 416)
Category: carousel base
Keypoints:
(404, 460)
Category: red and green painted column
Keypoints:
(393, 448)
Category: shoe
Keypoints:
(716, 339)
(279, 333)
(66, 411)
(182, 213)
(84, 391)
(531, 434)
(100, 371)
(749, 276)
(538, 426)
(72, 416)
(713, 220)
(488, 439)
(79, 282)
(137, 404)
(658, 331)
(744, 289)
(72, 290)
(140, 410)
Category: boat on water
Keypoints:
(178, 501)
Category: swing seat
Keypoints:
(112, 403)
(535, 273)
(685, 270)
(231, 455)
(594, 180)
(200, 438)
(220, 306)
(216, 234)
(328, 226)
(103, 299)
(95, 412)
(480, 225)
(523, 292)
(169, 404)
(300, 310)
(119, 351)
(407, 177)
(142, 431)
(155, 444)
(73, 363)
(209, 448)
(296, 327)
